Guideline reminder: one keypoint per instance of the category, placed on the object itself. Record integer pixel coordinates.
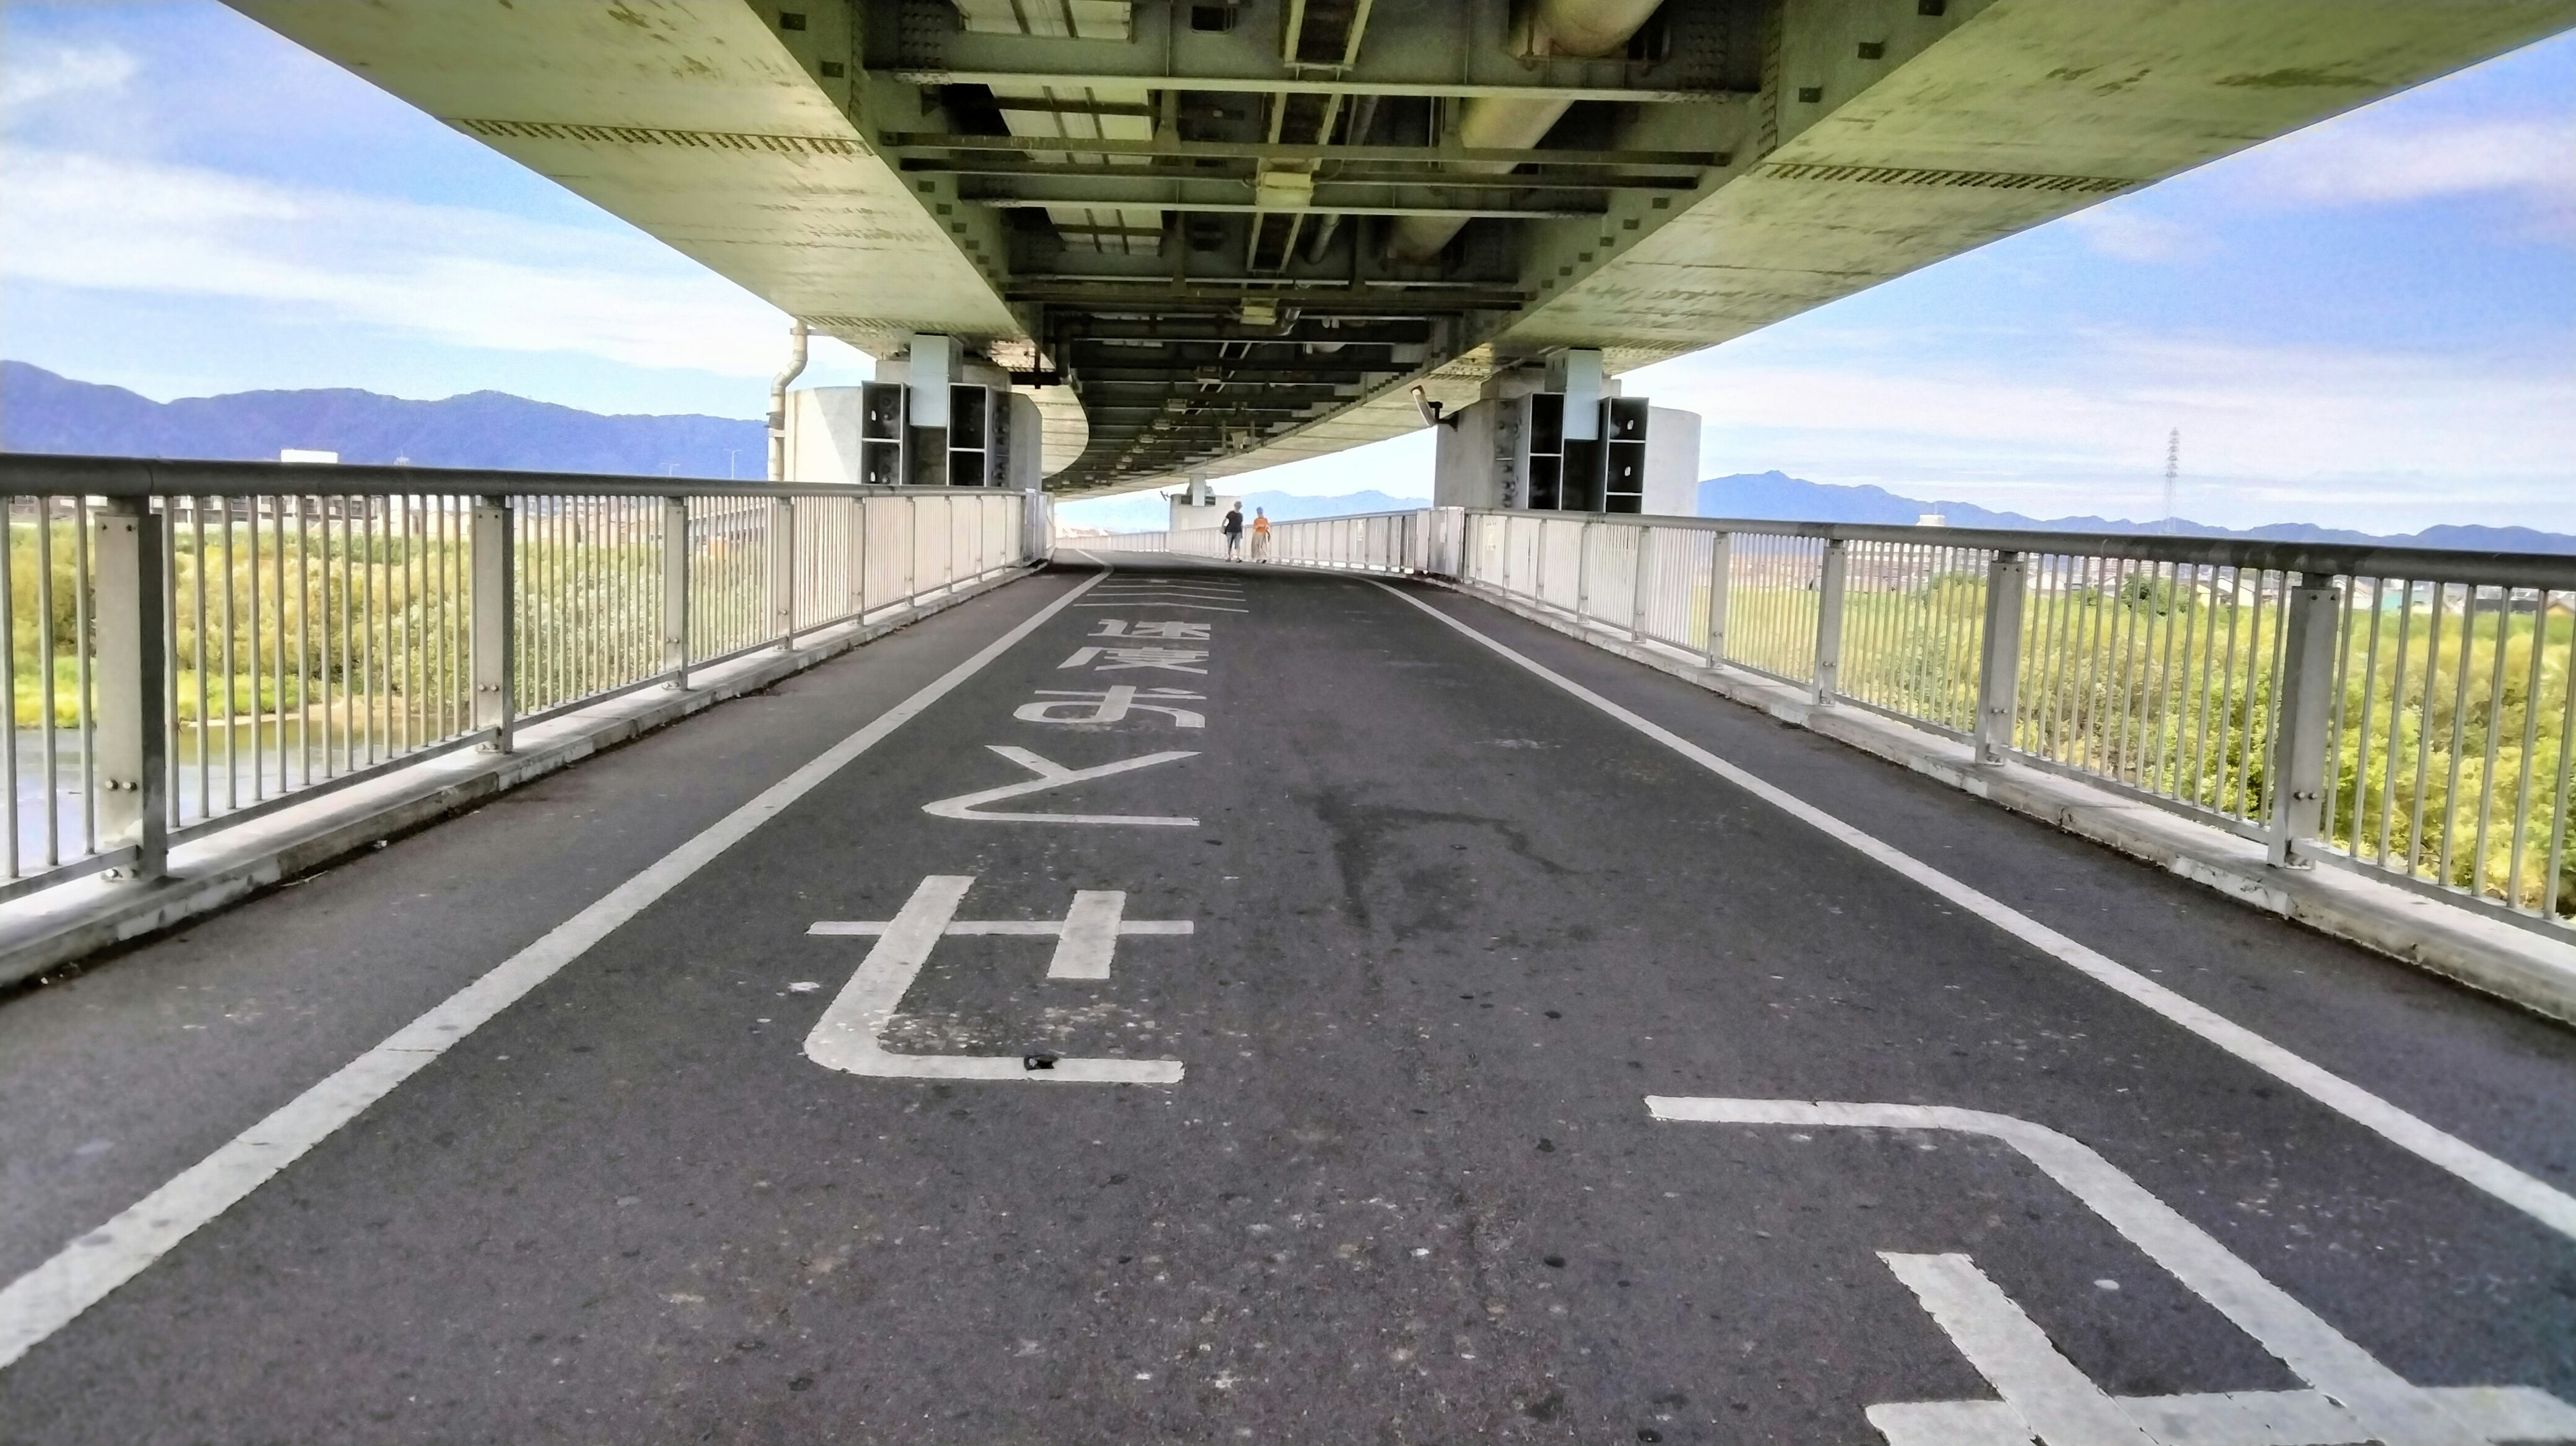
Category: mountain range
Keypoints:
(1778, 497)
(43, 412)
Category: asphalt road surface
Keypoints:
(1230, 1012)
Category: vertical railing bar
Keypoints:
(9, 637)
(304, 639)
(82, 617)
(258, 721)
(2164, 590)
(345, 637)
(2139, 624)
(2530, 740)
(45, 643)
(2043, 659)
(2229, 749)
(2424, 728)
(2101, 631)
(2369, 693)
(169, 680)
(2396, 722)
(2487, 763)
(2208, 670)
(2559, 826)
(232, 671)
(2061, 686)
(2330, 783)
(277, 653)
(2459, 716)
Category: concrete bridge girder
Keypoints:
(1029, 176)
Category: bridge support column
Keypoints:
(495, 643)
(132, 672)
(1999, 659)
(2299, 722)
(1829, 621)
(675, 590)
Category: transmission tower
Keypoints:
(2173, 469)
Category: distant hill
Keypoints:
(42, 412)
(1777, 497)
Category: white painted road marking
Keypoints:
(1170, 632)
(849, 1037)
(2055, 1401)
(1128, 660)
(2542, 1202)
(2235, 1418)
(45, 1299)
(2382, 1405)
(969, 806)
(1085, 937)
(1112, 705)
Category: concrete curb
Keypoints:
(61, 925)
(2489, 955)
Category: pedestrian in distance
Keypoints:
(1234, 532)
(1260, 535)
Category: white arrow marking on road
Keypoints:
(2380, 1404)
(849, 1035)
(1052, 775)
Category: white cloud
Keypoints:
(2384, 440)
(448, 273)
(40, 72)
(2358, 161)
(2119, 230)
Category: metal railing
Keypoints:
(1417, 541)
(2405, 713)
(194, 644)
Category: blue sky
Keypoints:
(2370, 323)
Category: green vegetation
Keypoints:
(2169, 689)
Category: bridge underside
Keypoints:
(1221, 236)
(1474, 1030)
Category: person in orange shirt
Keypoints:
(1260, 535)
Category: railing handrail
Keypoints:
(2423, 564)
(47, 474)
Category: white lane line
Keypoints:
(2381, 1400)
(1090, 935)
(2055, 1401)
(2550, 1206)
(45, 1299)
(849, 1035)
(1051, 775)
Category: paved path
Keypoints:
(1420, 932)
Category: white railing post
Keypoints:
(2299, 714)
(675, 590)
(1999, 657)
(1582, 570)
(1829, 620)
(132, 735)
(782, 571)
(1637, 585)
(1721, 555)
(858, 540)
(496, 645)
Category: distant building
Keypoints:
(307, 454)
(1932, 519)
